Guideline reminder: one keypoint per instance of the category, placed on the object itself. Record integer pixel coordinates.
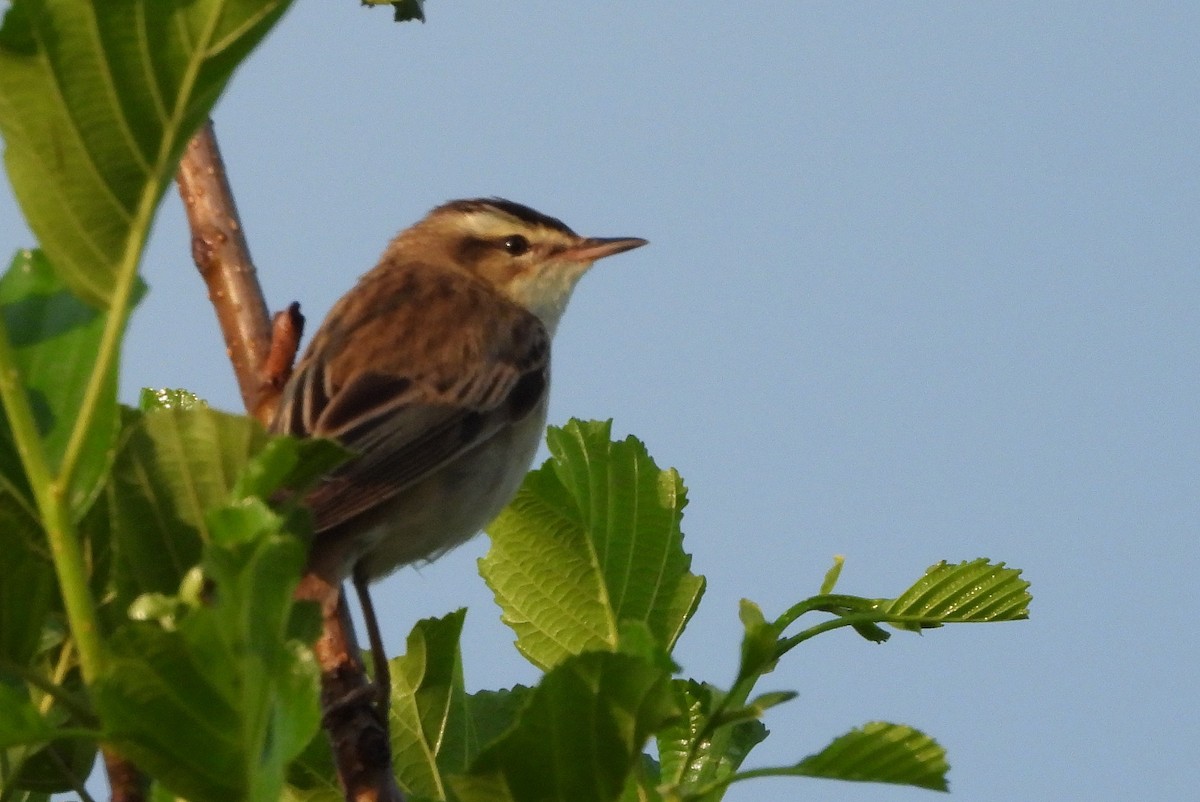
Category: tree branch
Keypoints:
(357, 731)
(221, 254)
(125, 782)
(262, 352)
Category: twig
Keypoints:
(286, 330)
(262, 353)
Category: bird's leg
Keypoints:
(383, 674)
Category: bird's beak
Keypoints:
(593, 248)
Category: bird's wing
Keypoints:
(405, 416)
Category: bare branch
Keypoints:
(354, 721)
(223, 258)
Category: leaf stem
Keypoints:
(873, 616)
(719, 735)
(110, 339)
(787, 644)
(51, 498)
(836, 603)
(53, 493)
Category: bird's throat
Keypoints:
(546, 291)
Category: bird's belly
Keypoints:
(451, 505)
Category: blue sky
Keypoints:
(922, 284)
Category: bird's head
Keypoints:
(531, 258)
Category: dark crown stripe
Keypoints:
(517, 210)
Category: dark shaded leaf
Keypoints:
(217, 707)
(28, 588)
(579, 737)
(56, 338)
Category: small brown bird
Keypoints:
(434, 370)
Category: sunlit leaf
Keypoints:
(428, 706)
(759, 642)
(687, 755)
(880, 752)
(592, 539)
(152, 399)
(97, 101)
(971, 591)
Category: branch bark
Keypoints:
(223, 258)
(352, 718)
(125, 782)
(262, 352)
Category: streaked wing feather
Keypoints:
(379, 474)
(402, 429)
(397, 446)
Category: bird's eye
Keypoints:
(516, 245)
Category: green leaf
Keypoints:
(151, 399)
(428, 721)
(56, 338)
(287, 462)
(311, 776)
(46, 751)
(488, 714)
(759, 643)
(643, 783)
(879, 752)
(27, 796)
(20, 722)
(60, 766)
(580, 735)
(28, 589)
(216, 708)
(592, 539)
(492, 713)
(832, 575)
(676, 740)
(97, 101)
(636, 638)
(971, 591)
(765, 701)
(696, 700)
(96, 535)
(174, 465)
